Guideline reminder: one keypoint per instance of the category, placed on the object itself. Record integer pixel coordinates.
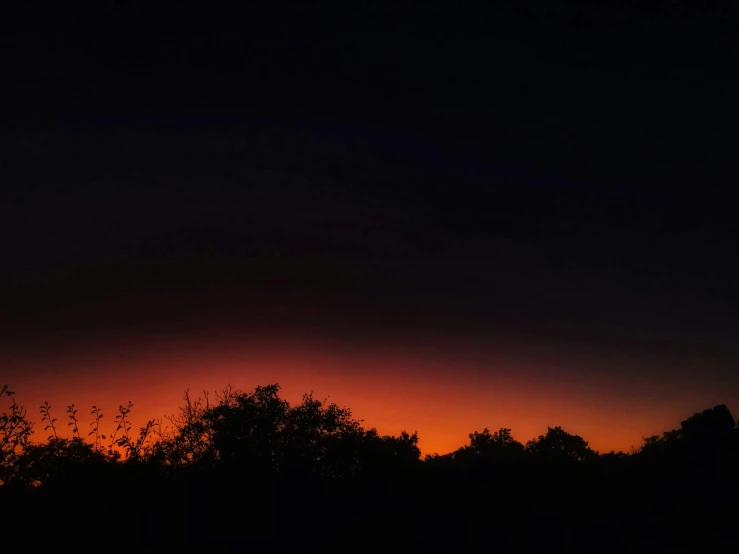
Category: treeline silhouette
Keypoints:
(248, 471)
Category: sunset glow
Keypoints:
(444, 393)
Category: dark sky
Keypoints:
(548, 173)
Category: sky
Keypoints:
(442, 220)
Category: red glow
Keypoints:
(444, 392)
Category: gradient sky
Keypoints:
(486, 226)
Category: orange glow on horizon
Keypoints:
(443, 393)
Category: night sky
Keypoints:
(444, 218)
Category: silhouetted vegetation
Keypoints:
(248, 471)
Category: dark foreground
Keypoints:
(510, 510)
(253, 474)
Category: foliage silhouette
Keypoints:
(560, 447)
(241, 471)
(15, 432)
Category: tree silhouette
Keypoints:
(58, 460)
(494, 444)
(246, 428)
(559, 446)
(712, 424)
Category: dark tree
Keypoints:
(559, 446)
